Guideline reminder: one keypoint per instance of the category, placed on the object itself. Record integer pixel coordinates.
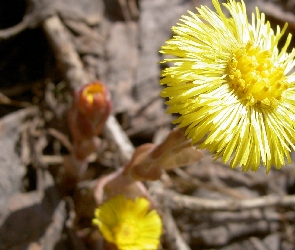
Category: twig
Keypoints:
(231, 192)
(66, 55)
(124, 7)
(173, 236)
(7, 101)
(47, 160)
(18, 28)
(115, 133)
(177, 201)
(83, 30)
(61, 137)
(133, 8)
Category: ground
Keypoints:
(48, 49)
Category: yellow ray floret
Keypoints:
(129, 224)
(231, 85)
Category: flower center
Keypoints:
(125, 233)
(91, 91)
(253, 76)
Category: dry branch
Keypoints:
(64, 50)
(173, 237)
(178, 201)
(18, 28)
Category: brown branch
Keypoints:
(115, 133)
(64, 50)
(178, 201)
(124, 7)
(198, 183)
(173, 236)
(18, 28)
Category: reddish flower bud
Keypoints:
(93, 101)
(87, 116)
(90, 110)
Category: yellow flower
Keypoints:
(129, 224)
(232, 86)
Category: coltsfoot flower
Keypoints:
(232, 86)
(90, 109)
(87, 116)
(129, 224)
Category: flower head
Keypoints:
(232, 86)
(93, 100)
(129, 224)
(89, 111)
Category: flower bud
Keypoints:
(86, 117)
(93, 101)
(90, 110)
